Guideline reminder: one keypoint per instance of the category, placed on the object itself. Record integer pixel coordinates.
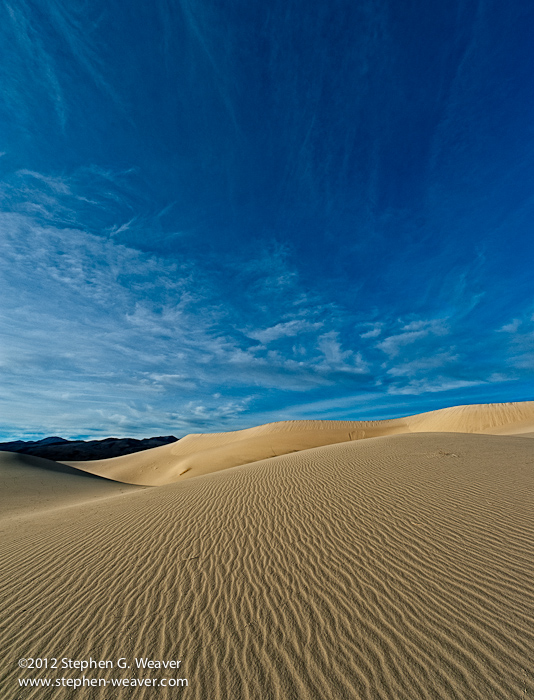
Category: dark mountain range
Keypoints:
(61, 450)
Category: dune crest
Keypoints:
(398, 568)
(198, 454)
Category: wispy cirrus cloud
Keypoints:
(197, 226)
(511, 327)
(98, 333)
(102, 336)
(519, 338)
(112, 331)
(342, 360)
(373, 332)
(411, 333)
(422, 358)
(34, 70)
(424, 364)
(287, 329)
(424, 386)
(90, 198)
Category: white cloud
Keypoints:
(36, 72)
(511, 327)
(128, 336)
(424, 386)
(283, 330)
(335, 358)
(411, 333)
(423, 364)
(374, 332)
(415, 326)
(99, 335)
(58, 185)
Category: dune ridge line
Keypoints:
(204, 453)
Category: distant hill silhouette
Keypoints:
(61, 450)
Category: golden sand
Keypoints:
(397, 567)
(196, 455)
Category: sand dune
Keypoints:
(196, 455)
(489, 419)
(30, 485)
(393, 568)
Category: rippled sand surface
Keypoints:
(200, 454)
(398, 567)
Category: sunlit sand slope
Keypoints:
(400, 568)
(30, 484)
(203, 454)
(492, 418)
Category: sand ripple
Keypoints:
(400, 567)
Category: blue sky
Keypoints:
(215, 215)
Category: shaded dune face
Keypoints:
(31, 485)
(400, 567)
(196, 455)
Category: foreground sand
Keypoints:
(197, 455)
(399, 567)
